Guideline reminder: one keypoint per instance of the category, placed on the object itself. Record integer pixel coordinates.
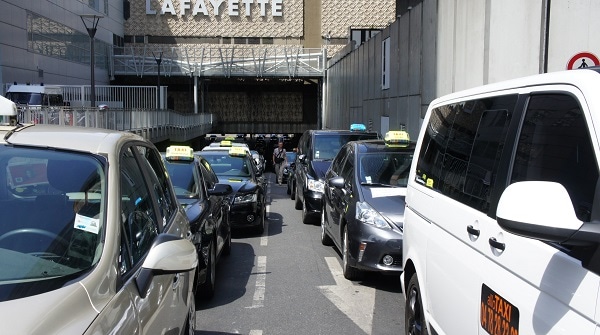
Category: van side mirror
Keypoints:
(543, 210)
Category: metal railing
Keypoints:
(153, 125)
(276, 61)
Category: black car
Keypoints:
(235, 166)
(316, 150)
(364, 203)
(290, 164)
(206, 205)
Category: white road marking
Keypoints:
(261, 278)
(255, 332)
(356, 301)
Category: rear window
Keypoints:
(326, 146)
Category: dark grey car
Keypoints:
(363, 205)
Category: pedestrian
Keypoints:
(279, 159)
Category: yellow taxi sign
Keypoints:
(229, 138)
(397, 138)
(179, 152)
(225, 143)
(237, 151)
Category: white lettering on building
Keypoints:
(199, 7)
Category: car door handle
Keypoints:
(495, 244)
(472, 231)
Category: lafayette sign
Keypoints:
(199, 7)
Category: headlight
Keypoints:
(245, 198)
(316, 186)
(367, 214)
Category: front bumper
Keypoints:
(369, 245)
(314, 202)
(246, 215)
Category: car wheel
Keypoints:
(190, 325)
(413, 310)
(261, 228)
(298, 203)
(207, 289)
(293, 191)
(350, 272)
(306, 219)
(325, 239)
(227, 247)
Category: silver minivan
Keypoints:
(502, 219)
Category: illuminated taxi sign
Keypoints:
(230, 138)
(398, 138)
(179, 153)
(226, 143)
(237, 151)
(358, 127)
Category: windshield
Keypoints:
(385, 168)
(52, 206)
(228, 166)
(184, 180)
(326, 146)
(25, 98)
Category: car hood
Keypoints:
(63, 311)
(388, 201)
(319, 168)
(238, 184)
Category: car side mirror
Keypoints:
(220, 190)
(302, 158)
(337, 182)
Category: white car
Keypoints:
(92, 239)
(502, 210)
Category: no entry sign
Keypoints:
(583, 60)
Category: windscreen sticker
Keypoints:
(387, 192)
(87, 224)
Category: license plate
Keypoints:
(497, 316)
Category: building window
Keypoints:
(385, 64)
(53, 39)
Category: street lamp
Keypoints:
(91, 29)
(158, 61)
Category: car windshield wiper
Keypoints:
(376, 184)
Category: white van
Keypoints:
(502, 219)
(35, 95)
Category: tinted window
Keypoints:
(326, 146)
(461, 149)
(139, 224)
(554, 145)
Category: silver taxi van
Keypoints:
(502, 219)
(92, 239)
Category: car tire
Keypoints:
(298, 203)
(190, 325)
(413, 309)
(227, 247)
(207, 289)
(350, 272)
(293, 191)
(261, 228)
(325, 238)
(306, 219)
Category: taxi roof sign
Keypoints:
(179, 153)
(237, 151)
(397, 138)
(225, 143)
(358, 127)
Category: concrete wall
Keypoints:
(443, 46)
(18, 63)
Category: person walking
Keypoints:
(279, 159)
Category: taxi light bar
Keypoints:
(179, 153)
(397, 138)
(358, 127)
(237, 152)
(225, 143)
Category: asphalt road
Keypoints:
(286, 282)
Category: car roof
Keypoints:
(94, 140)
(368, 146)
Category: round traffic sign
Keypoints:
(583, 60)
